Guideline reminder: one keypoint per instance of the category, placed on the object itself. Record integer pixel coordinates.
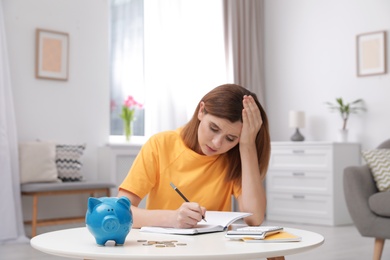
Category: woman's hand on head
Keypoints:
(188, 215)
(252, 121)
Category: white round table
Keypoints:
(79, 243)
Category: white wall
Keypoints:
(69, 112)
(311, 58)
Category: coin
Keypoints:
(165, 243)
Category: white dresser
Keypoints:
(304, 182)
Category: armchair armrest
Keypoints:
(359, 185)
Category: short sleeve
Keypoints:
(143, 174)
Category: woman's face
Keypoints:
(216, 135)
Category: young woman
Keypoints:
(222, 151)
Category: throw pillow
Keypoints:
(379, 162)
(68, 160)
(37, 162)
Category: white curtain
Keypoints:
(244, 22)
(11, 224)
(184, 58)
(127, 76)
(177, 57)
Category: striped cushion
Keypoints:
(379, 162)
(68, 161)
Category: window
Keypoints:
(167, 55)
(126, 62)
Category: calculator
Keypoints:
(256, 232)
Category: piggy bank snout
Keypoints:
(110, 224)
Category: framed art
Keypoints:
(52, 57)
(371, 53)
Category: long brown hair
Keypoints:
(225, 102)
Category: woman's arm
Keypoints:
(252, 198)
(187, 216)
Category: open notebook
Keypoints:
(217, 221)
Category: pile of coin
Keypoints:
(167, 243)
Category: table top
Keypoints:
(79, 243)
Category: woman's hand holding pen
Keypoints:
(188, 215)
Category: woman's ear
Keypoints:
(201, 111)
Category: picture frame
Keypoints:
(52, 55)
(371, 53)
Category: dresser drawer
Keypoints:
(301, 158)
(299, 208)
(312, 182)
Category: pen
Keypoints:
(182, 195)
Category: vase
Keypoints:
(343, 135)
(128, 128)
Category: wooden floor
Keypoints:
(341, 243)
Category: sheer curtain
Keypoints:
(184, 58)
(127, 69)
(11, 224)
(170, 63)
(243, 21)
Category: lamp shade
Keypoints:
(297, 119)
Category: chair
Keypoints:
(369, 208)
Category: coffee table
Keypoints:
(80, 244)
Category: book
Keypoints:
(217, 221)
(282, 236)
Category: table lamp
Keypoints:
(297, 120)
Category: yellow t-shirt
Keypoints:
(163, 159)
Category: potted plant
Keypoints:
(345, 109)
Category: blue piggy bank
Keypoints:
(109, 218)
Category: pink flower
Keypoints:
(112, 105)
(130, 102)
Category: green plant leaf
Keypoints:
(345, 109)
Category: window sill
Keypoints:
(120, 140)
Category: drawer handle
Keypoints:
(298, 151)
(298, 174)
(298, 197)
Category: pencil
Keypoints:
(182, 195)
